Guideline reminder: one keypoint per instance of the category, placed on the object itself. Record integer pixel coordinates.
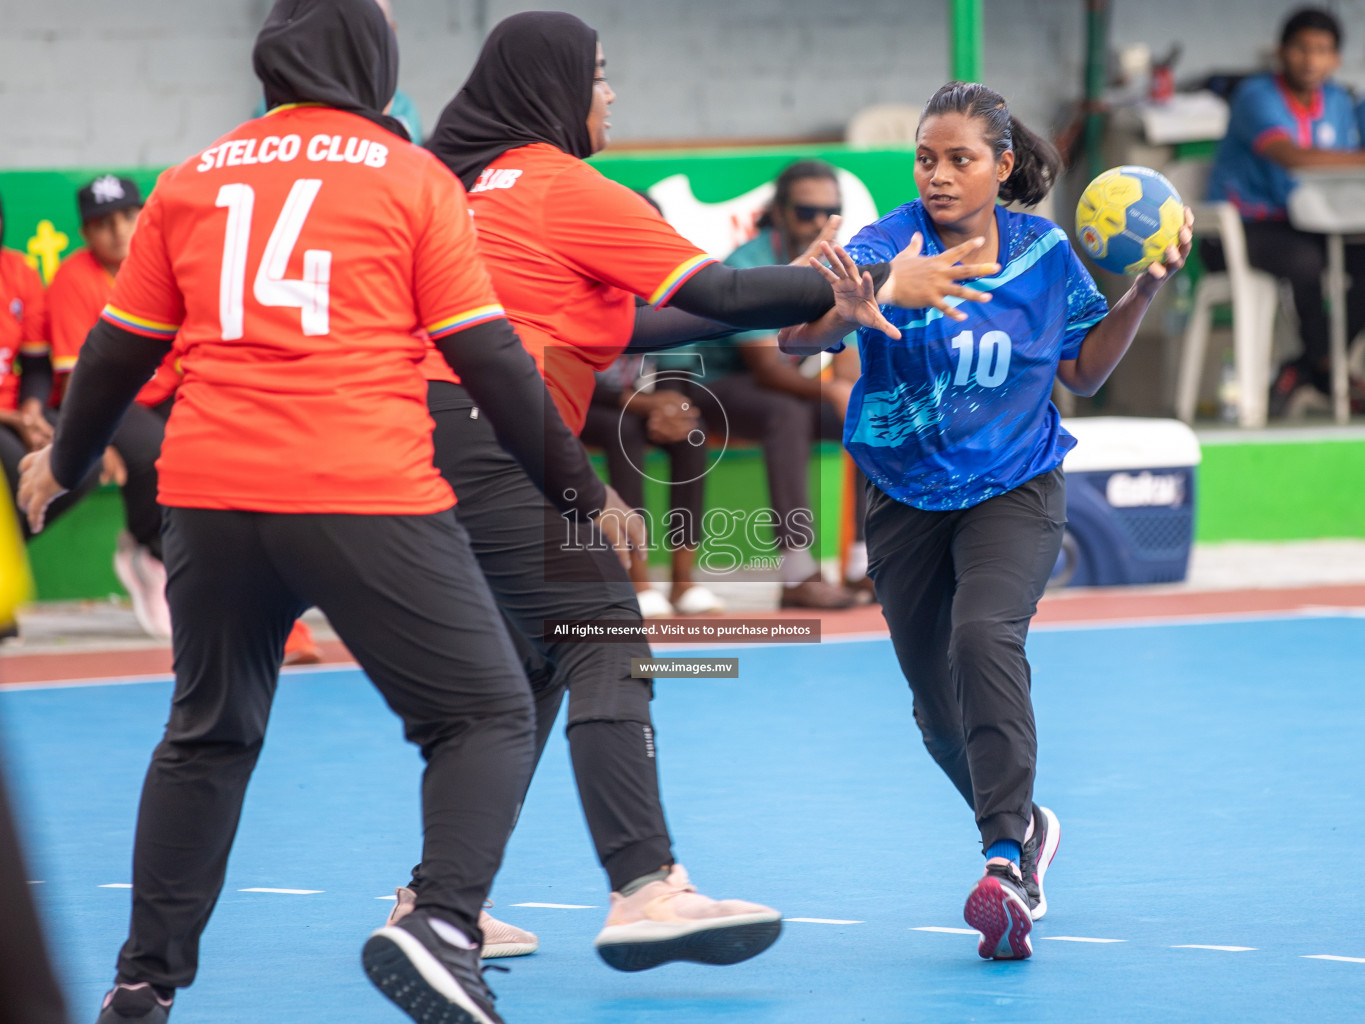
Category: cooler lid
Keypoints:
(1106, 443)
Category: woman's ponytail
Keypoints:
(1036, 166)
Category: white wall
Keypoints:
(115, 82)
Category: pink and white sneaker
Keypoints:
(998, 908)
(144, 577)
(669, 920)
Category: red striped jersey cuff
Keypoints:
(139, 325)
(678, 278)
(451, 324)
(34, 348)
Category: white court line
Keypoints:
(822, 920)
(37, 882)
(1225, 949)
(392, 899)
(557, 906)
(946, 931)
(287, 892)
(1342, 959)
(117, 885)
(1078, 938)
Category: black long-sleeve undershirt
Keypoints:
(114, 365)
(719, 301)
(502, 378)
(497, 371)
(759, 298)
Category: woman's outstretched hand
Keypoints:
(928, 282)
(855, 296)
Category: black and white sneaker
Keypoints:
(430, 978)
(1036, 856)
(135, 1004)
(997, 907)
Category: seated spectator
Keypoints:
(623, 419)
(26, 379)
(402, 106)
(109, 208)
(764, 396)
(1281, 123)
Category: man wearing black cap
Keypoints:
(109, 208)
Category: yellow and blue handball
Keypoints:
(1127, 218)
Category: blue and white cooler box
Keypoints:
(1129, 502)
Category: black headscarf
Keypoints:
(340, 53)
(531, 83)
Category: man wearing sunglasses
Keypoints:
(765, 396)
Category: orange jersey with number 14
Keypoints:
(299, 258)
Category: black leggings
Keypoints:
(1300, 258)
(138, 442)
(407, 598)
(12, 452)
(539, 568)
(958, 590)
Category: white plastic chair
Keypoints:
(1253, 295)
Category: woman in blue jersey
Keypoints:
(953, 424)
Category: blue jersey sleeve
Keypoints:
(873, 244)
(1258, 115)
(1085, 306)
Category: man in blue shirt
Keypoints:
(1280, 123)
(766, 398)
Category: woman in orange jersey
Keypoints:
(569, 253)
(295, 262)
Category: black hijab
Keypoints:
(531, 83)
(340, 53)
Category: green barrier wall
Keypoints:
(1281, 491)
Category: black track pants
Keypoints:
(406, 596)
(539, 568)
(958, 590)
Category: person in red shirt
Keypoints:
(109, 209)
(569, 253)
(26, 377)
(296, 263)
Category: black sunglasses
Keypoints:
(806, 214)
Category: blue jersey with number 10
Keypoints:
(957, 412)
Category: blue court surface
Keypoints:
(1210, 781)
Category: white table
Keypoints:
(1332, 203)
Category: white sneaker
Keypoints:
(653, 604)
(669, 920)
(499, 937)
(698, 600)
(144, 577)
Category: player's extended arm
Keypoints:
(1109, 339)
(1287, 154)
(114, 365)
(914, 282)
(502, 378)
(657, 329)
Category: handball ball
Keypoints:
(1127, 218)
